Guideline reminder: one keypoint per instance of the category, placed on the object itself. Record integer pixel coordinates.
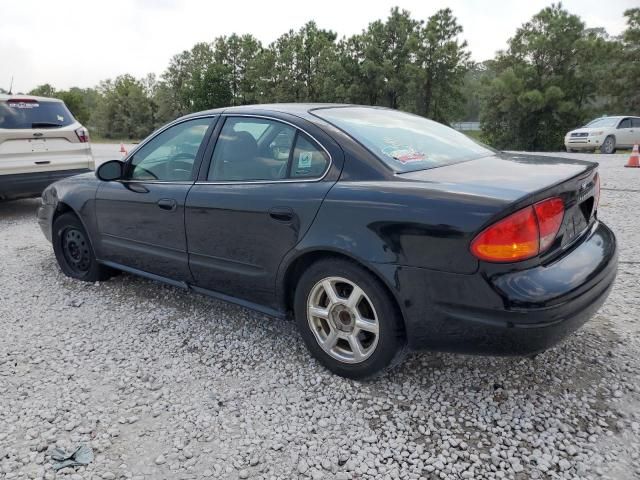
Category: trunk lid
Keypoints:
(515, 181)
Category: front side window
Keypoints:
(170, 156)
(403, 141)
(626, 123)
(635, 123)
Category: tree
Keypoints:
(125, 109)
(44, 90)
(239, 57)
(442, 62)
(544, 85)
(623, 82)
(301, 63)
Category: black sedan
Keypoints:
(378, 231)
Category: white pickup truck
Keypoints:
(40, 142)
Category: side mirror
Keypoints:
(110, 171)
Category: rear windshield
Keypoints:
(17, 113)
(403, 141)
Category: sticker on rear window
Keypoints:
(304, 159)
(24, 104)
(402, 153)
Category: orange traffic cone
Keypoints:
(634, 159)
(123, 150)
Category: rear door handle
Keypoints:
(167, 204)
(281, 214)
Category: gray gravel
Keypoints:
(166, 384)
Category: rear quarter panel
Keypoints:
(402, 223)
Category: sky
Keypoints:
(81, 42)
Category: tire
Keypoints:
(74, 252)
(609, 145)
(355, 343)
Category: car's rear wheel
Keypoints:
(74, 252)
(348, 319)
(609, 145)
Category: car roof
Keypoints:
(298, 109)
(615, 116)
(4, 97)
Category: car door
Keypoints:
(254, 201)
(635, 130)
(624, 133)
(141, 218)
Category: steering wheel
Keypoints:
(176, 165)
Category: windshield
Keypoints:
(603, 122)
(403, 141)
(28, 113)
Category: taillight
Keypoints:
(522, 235)
(549, 214)
(83, 135)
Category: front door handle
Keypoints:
(281, 214)
(167, 204)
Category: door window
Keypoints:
(170, 156)
(259, 149)
(308, 160)
(252, 149)
(635, 122)
(626, 123)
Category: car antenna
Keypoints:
(11, 86)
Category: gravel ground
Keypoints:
(166, 384)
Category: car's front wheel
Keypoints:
(609, 145)
(74, 252)
(348, 319)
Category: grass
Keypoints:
(475, 134)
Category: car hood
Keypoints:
(503, 177)
(587, 130)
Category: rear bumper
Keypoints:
(24, 185)
(515, 313)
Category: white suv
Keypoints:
(605, 133)
(40, 142)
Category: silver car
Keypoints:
(40, 142)
(606, 134)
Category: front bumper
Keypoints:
(583, 143)
(514, 313)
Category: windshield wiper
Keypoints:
(45, 125)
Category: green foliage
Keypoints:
(44, 90)
(554, 75)
(125, 109)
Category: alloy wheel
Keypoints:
(343, 320)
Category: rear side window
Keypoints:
(308, 161)
(28, 113)
(252, 149)
(403, 141)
